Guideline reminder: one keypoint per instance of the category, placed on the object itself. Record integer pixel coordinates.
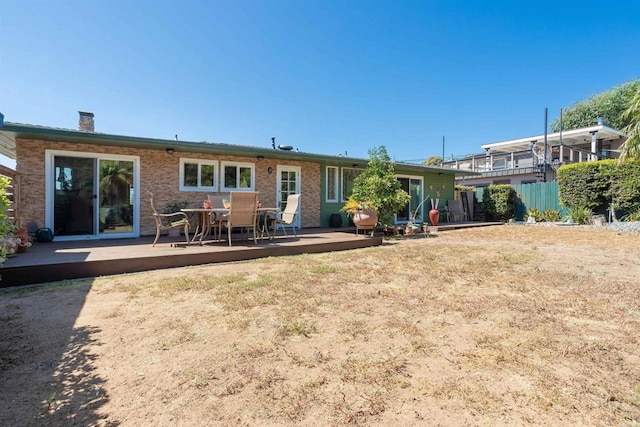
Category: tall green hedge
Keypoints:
(6, 224)
(599, 185)
(500, 201)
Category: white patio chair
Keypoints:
(288, 216)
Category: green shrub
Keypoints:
(585, 184)
(580, 215)
(552, 215)
(499, 201)
(625, 187)
(7, 226)
(632, 216)
(600, 185)
(534, 212)
(378, 186)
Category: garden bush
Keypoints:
(580, 214)
(7, 226)
(600, 186)
(534, 212)
(500, 201)
(552, 215)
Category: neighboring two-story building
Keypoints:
(537, 158)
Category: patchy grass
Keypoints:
(491, 326)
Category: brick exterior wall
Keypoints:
(159, 173)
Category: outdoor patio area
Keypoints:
(49, 262)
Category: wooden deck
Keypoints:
(48, 262)
(55, 261)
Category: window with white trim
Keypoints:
(237, 176)
(198, 175)
(332, 184)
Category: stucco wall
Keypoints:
(159, 173)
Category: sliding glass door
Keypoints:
(91, 196)
(74, 196)
(414, 210)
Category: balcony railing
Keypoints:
(524, 161)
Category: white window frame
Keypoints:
(238, 165)
(336, 184)
(199, 162)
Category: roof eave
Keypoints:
(11, 131)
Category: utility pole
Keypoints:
(544, 161)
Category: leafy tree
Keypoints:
(609, 105)
(433, 161)
(631, 147)
(379, 187)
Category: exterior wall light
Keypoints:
(170, 150)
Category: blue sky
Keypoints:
(323, 76)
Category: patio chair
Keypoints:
(242, 212)
(218, 220)
(455, 212)
(288, 216)
(168, 221)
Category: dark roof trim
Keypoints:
(10, 131)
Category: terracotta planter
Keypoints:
(365, 218)
(434, 216)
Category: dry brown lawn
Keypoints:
(505, 325)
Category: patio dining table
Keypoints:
(263, 223)
(203, 227)
(204, 222)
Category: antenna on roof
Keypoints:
(176, 136)
(273, 142)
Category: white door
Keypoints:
(288, 183)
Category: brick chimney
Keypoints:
(85, 123)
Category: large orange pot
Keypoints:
(365, 218)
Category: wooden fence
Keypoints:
(542, 196)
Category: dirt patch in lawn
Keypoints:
(501, 325)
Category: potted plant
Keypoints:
(377, 189)
(363, 213)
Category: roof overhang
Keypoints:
(568, 137)
(11, 132)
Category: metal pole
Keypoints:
(561, 149)
(442, 162)
(544, 161)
